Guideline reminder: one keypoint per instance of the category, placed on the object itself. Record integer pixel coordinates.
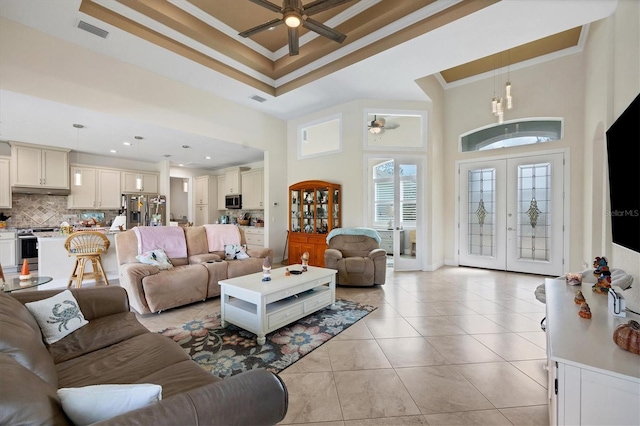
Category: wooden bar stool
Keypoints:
(87, 246)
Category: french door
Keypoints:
(511, 214)
(396, 208)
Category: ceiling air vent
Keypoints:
(93, 29)
(258, 98)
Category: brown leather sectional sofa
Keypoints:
(194, 278)
(114, 348)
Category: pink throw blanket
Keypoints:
(169, 238)
(220, 235)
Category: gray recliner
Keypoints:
(358, 259)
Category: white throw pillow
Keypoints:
(235, 251)
(157, 258)
(57, 316)
(90, 404)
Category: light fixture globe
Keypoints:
(292, 19)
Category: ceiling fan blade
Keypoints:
(268, 5)
(322, 5)
(294, 41)
(262, 27)
(391, 126)
(323, 30)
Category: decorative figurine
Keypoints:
(573, 279)
(602, 273)
(305, 261)
(585, 311)
(579, 299)
(287, 272)
(266, 269)
(24, 273)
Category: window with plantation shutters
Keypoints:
(383, 183)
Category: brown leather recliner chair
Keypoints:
(358, 259)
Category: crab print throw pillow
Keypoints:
(57, 316)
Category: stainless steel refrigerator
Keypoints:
(144, 209)
(157, 210)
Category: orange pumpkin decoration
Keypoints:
(627, 336)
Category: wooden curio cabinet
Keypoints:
(314, 210)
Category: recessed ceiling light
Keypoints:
(208, 157)
(186, 146)
(166, 155)
(126, 143)
(78, 126)
(113, 151)
(138, 137)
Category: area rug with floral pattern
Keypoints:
(226, 351)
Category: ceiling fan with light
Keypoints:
(379, 125)
(294, 15)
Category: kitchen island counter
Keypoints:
(53, 260)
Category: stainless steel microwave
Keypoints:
(233, 201)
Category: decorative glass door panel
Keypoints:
(511, 214)
(482, 212)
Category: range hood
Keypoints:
(41, 191)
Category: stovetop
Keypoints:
(29, 231)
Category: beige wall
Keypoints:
(347, 167)
(550, 89)
(612, 67)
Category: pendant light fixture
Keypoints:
(139, 175)
(498, 101)
(77, 173)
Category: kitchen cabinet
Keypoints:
(253, 189)
(100, 189)
(206, 199)
(591, 379)
(7, 249)
(36, 167)
(254, 236)
(149, 182)
(232, 180)
(202, 215)
(5, 183)
(314, 210)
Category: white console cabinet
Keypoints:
(592, 381)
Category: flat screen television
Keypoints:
(623, 156)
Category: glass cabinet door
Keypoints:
(308, 221)
(322, 210)
(296, 211)
(336, 209)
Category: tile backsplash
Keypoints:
(31, 210)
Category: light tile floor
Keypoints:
(457, 346)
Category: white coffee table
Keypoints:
(264, 306)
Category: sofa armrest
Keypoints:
(131, 275)
(94, 302)
(255, 397)
(375, 253)
(331, 258)
(261, 253)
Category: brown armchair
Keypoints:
(356, 254)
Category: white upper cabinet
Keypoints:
(232, 180)
(39, 167)
(253, 189)
(201, 190)
(100, 189)
(5, 185)
(149, 182)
